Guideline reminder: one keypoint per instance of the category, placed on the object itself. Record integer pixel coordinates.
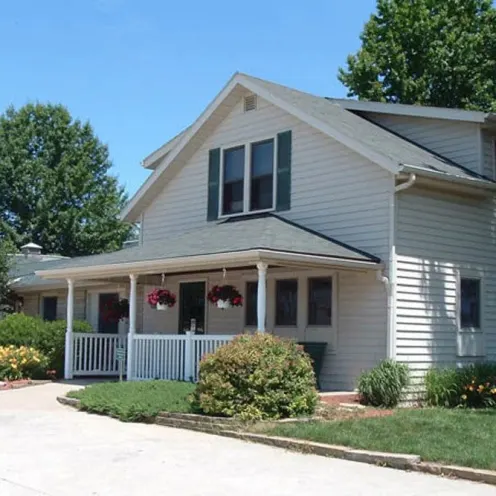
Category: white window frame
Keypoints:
(247, 177)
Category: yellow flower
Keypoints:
(493, 391)
(480, 388)
(464, 397)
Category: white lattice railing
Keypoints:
(95, 354)
(171, 356)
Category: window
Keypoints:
(262, 175)
(320, 301)
(470, 303)
(286, 302)
(251, 303)
(49, 308)
(248, 178)
(233, 182)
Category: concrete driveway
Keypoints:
(48, 449)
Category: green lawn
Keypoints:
(135, 401)
(459, 437)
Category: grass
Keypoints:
(135, 401)
(458, 437)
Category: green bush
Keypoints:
(257, 377)
(471, 386)
(48, 337)
(384, 384)
(135, 401)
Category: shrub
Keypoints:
(48, 337)
(135, 401)
(471, 386)
(443, 387)
(384, 384)
(21, 362)
(257, 377)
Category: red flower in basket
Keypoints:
(225, 296)
(116, 311)
(161, 299)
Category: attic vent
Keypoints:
(250, 103)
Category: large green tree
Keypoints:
(55, 186)
(5, 265)
(427, 52)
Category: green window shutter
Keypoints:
(213, 184)
(283, 199)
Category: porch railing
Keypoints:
(171, 356)
(95, 354)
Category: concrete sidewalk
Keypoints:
(48, 449)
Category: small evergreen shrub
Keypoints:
(384, 384)
(48, 337)
(21, 362)
(472, 386)
(257, 377)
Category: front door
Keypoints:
(106, 324)
(192, 307)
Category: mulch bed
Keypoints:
(5, 386)
(334, 407)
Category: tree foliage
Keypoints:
(55, 183)
(427, 52)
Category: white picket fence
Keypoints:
(95, 354)
(172, 356)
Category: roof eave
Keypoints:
(179, 264)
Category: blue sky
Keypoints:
(141, 71)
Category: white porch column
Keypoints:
(133, 286)
(261, 296)
(68, 333)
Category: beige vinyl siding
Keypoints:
(334, 190)
(456, 140)
(356, 340)
(439, 237)
(488, 153)
(33, 303)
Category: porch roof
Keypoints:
(235, 240)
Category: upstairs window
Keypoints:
(248, 178)
(470, 303)
(262, 175)
(233, 181)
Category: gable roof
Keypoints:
(265, 232)
(379, 145)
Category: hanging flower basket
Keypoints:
(117, 310)
(161, 299)
(225, 297)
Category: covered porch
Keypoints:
(290, 293)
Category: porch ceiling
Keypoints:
(230, 243)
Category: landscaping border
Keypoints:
(221, 427)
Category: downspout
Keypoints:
(390, 280)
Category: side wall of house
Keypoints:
(458, 141)
(439, 239)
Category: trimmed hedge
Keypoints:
(257, 377)
(48, 337)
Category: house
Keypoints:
(367, 226)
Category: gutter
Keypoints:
(390, 280)
(474, 182)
